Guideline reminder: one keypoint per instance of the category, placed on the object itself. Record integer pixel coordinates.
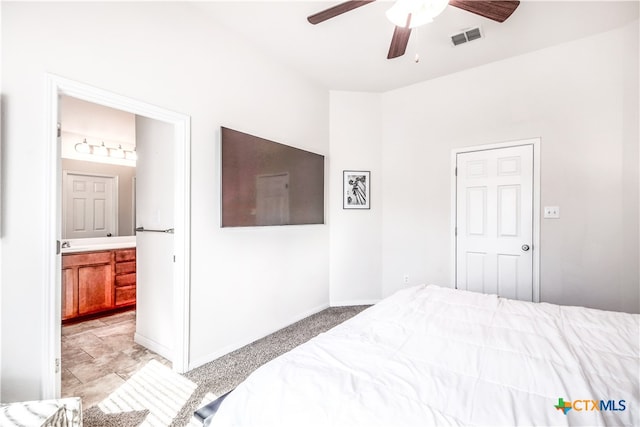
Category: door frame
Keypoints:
(114, 198)
(56, 86)
(535, 247)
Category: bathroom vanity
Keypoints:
(96, 282)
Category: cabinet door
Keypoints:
(69, 294)
(95, 288)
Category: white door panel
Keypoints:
(475, 271)
(508, 276)
(155, 250)
(476, 211)
(494, 220)
(508, 210)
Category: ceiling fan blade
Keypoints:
(399, 42)
(496, 10)
(336, 10)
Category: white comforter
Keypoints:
(430, 356)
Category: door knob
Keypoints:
(525, 248)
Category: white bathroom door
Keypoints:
(155, 244)
(494, 220)
(89, 205)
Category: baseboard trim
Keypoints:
(153, 346)
(354, 302)
(228, 349)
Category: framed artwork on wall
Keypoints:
(356, 186)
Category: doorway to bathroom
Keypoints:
(99, 278)
(150, 122)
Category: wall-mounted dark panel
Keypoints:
(268, 183)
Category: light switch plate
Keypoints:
(552, 211)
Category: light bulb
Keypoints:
(117, 153)
(100, 150)
(131, 155)
(421, 11)
(83, 147)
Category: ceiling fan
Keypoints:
(408, 14)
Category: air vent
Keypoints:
(468, 35)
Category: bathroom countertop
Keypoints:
(98, 244)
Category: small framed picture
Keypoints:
(356, 186)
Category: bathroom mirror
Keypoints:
(98, 200)
(98, 162)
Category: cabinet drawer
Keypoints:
(126, 267)
(89, 258)
(125, 255)
(126, 279)
(125, 295)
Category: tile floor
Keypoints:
(99, 355)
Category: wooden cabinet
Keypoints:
(125, 277)
(97, 282)
(69, 293)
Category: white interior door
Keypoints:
(155, 247)
(494, 220)
(89, 205)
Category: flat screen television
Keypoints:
(268, 183)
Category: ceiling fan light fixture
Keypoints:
(420, 11)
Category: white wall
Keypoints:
(581, 98)
(245, 282)
(356, 244)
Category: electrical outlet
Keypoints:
(552, 212)
(405, 278)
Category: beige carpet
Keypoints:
(156, 396)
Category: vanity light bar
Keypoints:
(101, 150)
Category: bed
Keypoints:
(432, 356)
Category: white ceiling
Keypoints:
(349, 52)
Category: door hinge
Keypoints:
(174, 258)
(456, 171)
(57, 247)
(59, 134)
(456, 231)
(57, 365)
